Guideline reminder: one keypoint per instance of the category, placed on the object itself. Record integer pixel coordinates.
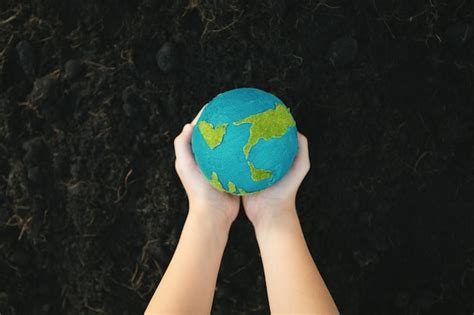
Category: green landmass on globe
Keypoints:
(258, 174)
(272, 123)
(232, 187)
(215, 182)
(212, 135)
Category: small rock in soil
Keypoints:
(60, 163)
(279, 7)
(46, 308)
(159, 254)
(73, 69)
(69, 102)
(365, 258)
(224, 290)
(148, 5)
(365, 218)
(402, 299)
(44, 289)
(458, 34)
(342, 51)
(380, 241)
(169, 105)
(3, 298)
(128, 109)
(75, 169)
(44, 96)
(131, 101)
(167, 57)
(35, 149)
(34, 174)
(11, 71)
(43, 88)
(426, 299)
(20, 257)
(27, 58)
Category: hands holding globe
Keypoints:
(204, 200)
(243, 144)
(264, 208)
(274, 205)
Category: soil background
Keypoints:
(92, 94)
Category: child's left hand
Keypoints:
(204, 200)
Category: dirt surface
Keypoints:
(92, 94)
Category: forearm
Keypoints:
(189, 282)
(293, 281)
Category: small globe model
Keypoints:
(244, 141)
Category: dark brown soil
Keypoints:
(92, 94)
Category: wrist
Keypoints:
(276, 222)
(211, 221)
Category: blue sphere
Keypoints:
(244, 141)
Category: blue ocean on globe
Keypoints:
(245, 140)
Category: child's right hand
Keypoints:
(274, 206)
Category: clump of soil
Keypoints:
(92, 94)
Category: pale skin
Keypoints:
(293, 282)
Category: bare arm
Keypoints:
(293, 281)
(189, 283)
(190, 280)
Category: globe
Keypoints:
(244, 141)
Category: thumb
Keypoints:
(182, 148)
(185, 164)
(301, 165)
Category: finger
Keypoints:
(302, 162)
(182, 147)
(300, 166)
(193, 123)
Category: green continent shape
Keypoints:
(232, 188)
(212, 135)
(259, 174)
(215, 182)
(272, 123)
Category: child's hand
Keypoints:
(273, 206)
(204, 200)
